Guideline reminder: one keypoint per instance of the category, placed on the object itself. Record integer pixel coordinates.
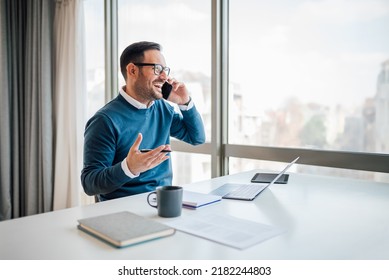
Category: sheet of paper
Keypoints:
(227, 230)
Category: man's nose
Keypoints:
(163, 76)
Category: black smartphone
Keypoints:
(166, 89)
(268, 177)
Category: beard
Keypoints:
(146, 90)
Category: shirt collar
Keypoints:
(133, 101)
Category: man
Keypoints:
(138, 118)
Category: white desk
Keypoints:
(325, 218)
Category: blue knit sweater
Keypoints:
(111, 132)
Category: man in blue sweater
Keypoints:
(138, 118)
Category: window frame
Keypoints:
(219, 148)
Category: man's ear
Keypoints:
(131, 69)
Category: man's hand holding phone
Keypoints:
(175, 92)
(166, 90)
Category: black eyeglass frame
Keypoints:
(158, 68)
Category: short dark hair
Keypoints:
(135, 53)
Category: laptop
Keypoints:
(246, 191)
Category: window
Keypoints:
(308, 78)
(309, 74)
(95, 67)
(94, 44)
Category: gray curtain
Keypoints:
(26, 125)
(5, 139)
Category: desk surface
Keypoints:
(324, 218)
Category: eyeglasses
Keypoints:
(158, 68)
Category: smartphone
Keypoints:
(268, 177)
(166, 89)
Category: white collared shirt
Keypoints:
(133, 101)
(139, 105)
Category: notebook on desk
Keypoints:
(124, 228)
(247, 191)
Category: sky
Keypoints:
(326, 51)
(319, 51)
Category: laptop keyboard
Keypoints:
(248, 191)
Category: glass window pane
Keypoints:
(188, 167)
(183, 28)
(311, 74)
(94, 45)
(94, 64)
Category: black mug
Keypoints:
(169, 201)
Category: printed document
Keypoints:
(224, 229)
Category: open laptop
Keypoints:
(246, 191)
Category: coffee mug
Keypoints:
(169, 201)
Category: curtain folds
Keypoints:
(38, 113)
(5, 125)
(70, 99)
(26, 115)
(42, 97)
